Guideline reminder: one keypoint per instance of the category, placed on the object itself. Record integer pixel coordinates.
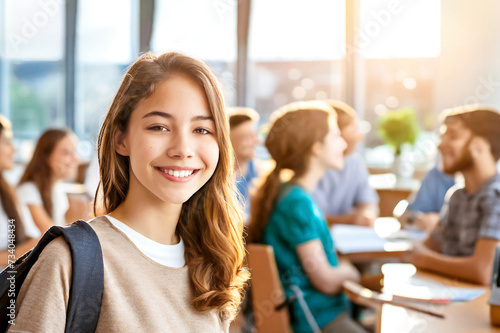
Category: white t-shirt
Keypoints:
(28, 193)
(166, 255)
(30, 227)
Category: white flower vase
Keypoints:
(403, 167)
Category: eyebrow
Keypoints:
(169, 116)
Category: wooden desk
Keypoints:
(392, 190)
(466, 317)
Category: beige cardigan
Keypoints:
(139, 295)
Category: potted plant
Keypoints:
(396, 128)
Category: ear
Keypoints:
(316, 148)
(121, 144)
(479, 146)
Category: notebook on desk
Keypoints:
(421, 289)
(356, 239)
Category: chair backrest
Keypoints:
(267, 291)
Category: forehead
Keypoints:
(68, 141)
(453, 125)
(245, 126)
(178, 95)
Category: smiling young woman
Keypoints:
(40, 187)
(172, 234)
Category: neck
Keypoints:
(148, 215)
(311, 178)
(479, 173)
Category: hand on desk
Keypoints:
(349, 271)
(364, 214)
(418, 256)
(422, 221)
(359, 217)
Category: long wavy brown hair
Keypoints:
(38, 169)
(211, 222)
(294, 130)
(8, 198)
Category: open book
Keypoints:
(421, 289)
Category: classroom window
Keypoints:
(204, 29)
(106, 46)
(399, 43)
(31, 69)
(296, 52)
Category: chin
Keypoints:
(176, 197)
(338, 166)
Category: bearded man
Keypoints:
(463, 243)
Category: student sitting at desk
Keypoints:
(40, 187)
(463, 243)
(305, 139)
(17, 231)
(345, 196)
(244, 141)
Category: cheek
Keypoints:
(144, 148)
(210, 154)
(52, 161)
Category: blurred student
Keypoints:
(304, 138)
(40, 187)
(15, 220)
(423, 211)
(244, 140)
(344, 195)
(463, 243)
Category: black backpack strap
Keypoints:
(87, 283)
(87, 276)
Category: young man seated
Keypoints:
(244, 139)
(345, 196)
(463, 243)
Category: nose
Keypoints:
(343, 143)
(440, 145)
(255, 139)
(180, 146)
(12, 147)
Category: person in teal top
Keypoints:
(304, 138)
(297, 213)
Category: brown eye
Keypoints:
(158, 128)
(202, 131)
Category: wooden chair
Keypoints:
(269, 301)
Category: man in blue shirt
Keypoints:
(345, 196)
(244, 140)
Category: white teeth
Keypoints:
(179, 174)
